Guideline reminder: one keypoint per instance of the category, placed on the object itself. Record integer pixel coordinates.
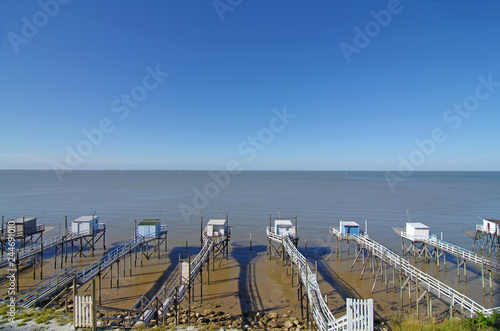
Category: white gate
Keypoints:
(359, 315)
(82, 311)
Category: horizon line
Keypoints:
(261, 170)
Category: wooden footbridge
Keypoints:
(30, 251)
(214, 241)
(359, 312)
(171, 297)
(407, 274)
(72, 276)
(441, 246)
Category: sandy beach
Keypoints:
(246, 283)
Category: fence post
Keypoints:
(94, 312)
(370, 314)
(75, 311)
(349, 314)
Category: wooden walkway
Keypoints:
(460, 252)
(54, 284)
(360, 312)
(169, 297)
(428, 283)
(37, 248)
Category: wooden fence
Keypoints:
(83, 313)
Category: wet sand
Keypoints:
(250, 281)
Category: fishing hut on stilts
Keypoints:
(379, 261)
(346, 232)
(487, 236)
(282, 228)
(214, 242)
(167, 301)
(359, 312)
(69, 280)
(150, 231)
(219, 231)
(23, 230)
(426, 247)
(417, 249)
(29, 246)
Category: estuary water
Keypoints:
(447, 202)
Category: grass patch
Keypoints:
(44, 316)
(411, 322)
(63, 319)
(23, 316)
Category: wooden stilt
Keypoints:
(117, 273)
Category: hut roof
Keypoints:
(21, 220)
(217, 222)
(85, 219)
(350, 223)
(149, 221)
(418, 225)
(492, 220)
(283, 223)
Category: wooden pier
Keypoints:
(359, 312)
(72, 277)
(418, 250)
(215, 239)
(34, 252)
(376, 257)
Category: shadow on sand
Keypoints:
(170, 274)
(250, 299)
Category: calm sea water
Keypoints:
(447, 202)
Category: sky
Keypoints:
(258, 85)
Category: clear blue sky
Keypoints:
(361, 100)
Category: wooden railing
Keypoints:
(5, 233)
(277, 238)
(359, 312)
(48, 287)
(63, 278)
(463, 253)
(425, 281)
(167, 296)
(37, 248)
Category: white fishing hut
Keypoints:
(417, 230)
(284, 228)
(216, 227)
(85, 225)
(25, 226)
(149, 227)
(491, 226)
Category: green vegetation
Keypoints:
(403, 322)
(38, 316)
(481, 322)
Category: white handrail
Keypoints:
(424, 280)
(454, 249)
(195, 267)
(53, 283)
(325, 321)
(36, 248)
